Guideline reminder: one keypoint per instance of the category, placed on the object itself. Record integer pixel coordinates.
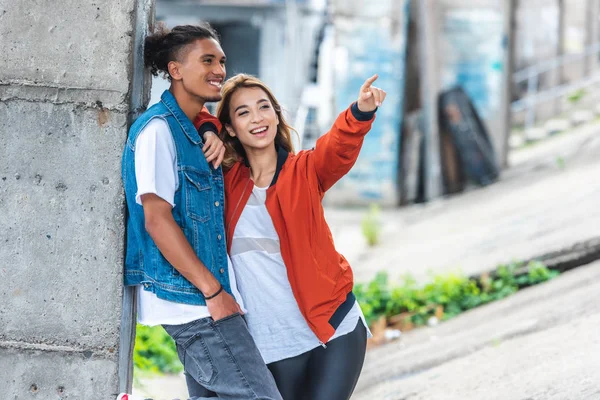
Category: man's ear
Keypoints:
(174, 71)
(230, 130)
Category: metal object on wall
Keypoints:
(459, 118)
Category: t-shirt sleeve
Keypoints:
(156, 162)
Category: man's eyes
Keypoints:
(210, 60)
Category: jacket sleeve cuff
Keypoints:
(207, 126)
(361, 115)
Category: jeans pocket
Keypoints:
(197, 361)
(235, 314)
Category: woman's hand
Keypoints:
(370, 97)
(214, 149)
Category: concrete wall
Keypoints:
(65, 83)
(370, 37)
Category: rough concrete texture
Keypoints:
(56, 375)
(541, 343)
(67, 50)
(61, 225)
(546, 201)
(65, 79)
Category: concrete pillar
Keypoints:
(510, 7)
(591, 35)
(67, 91)
(430, 90)
(561, 40)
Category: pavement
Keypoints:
(547, 200)
(540, 343)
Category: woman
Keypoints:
(297, 288)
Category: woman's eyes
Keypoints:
(263, 107)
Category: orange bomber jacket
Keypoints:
(320, 277)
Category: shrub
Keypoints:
(371, 225)
(155, 351)
(453, 292)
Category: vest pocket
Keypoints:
(197, 194)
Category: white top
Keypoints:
(156, 172)
(274, 319)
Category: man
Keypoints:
(176, 251)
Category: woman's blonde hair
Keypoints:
(234, 151)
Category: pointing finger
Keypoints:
(369, 82)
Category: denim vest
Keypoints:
(198, 210)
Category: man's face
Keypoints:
(202, 70)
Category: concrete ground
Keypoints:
(542, 343)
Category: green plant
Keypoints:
(373, 296)
(576, 96)
(450, 293)
(560, 162)
(371, 225)
(536, 273)
(155, 351)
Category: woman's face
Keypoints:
(253, 118)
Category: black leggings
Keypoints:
(323, 373)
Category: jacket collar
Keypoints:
(282, 155)
(186, 125)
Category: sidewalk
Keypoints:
(546, 201)
(542, 343)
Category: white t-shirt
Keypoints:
(274, 319)
(156, 172)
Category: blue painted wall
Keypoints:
(370, 46)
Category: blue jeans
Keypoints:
(221, 360)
